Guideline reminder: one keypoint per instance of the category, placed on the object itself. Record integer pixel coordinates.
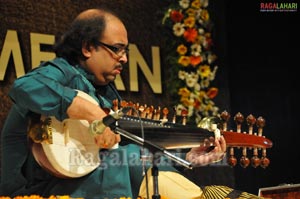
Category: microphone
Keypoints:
(97, 126)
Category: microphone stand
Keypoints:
(154, 148)
(154, 172)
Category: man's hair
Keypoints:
(83, 31)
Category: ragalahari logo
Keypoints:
(278, 7)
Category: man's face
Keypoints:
(106, 59)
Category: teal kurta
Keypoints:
(49, 90)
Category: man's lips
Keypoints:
(118, 70)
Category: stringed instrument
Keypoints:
(67, 150)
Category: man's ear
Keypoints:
(86, 50)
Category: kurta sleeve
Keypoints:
(43, 91)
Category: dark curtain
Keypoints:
(262, 59)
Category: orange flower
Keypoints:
(196, 4)
(205, 15)
(190, 22)
(184, 92)
(212, 92)
(181, 49)
(190, 35)
(190, 12)
(184, 60)
(195, 60)
(197, 104)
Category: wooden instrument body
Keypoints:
(72, 151)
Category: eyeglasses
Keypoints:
(119, 51)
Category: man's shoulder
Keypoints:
(61, 64)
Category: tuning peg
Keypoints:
(174, 115)
(142, 111)
(264, 162)
(157, 113)
(239, 119)
(255, 160)
(231, 159)
(250, 122)
(136, 108)
(244, 161)
(225, 116)
(149, 112)
(184, 114)
(165, 112)
(150, 116)
(130, 104)
(115, 104)
(123, 103)
(260, 123)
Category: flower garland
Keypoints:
(190, 57)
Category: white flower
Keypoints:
(191, 79)
(181, 74)
(204, 83)
(178, 29)
(196, 49)
(184, 3)
(211, 58)
(200, 21)
(197, 87)
(201, 31)
(204, 3)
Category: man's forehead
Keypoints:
(115, 32)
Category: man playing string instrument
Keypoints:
(89, 57)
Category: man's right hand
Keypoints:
(107, 139)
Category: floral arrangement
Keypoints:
(191, 59)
